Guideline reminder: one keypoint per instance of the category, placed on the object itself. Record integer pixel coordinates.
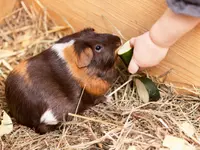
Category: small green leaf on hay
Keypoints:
(6, 126)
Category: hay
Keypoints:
(121, 122)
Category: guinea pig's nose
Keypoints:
(119, 43)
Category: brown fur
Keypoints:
(85, 58)
(21, 70)
(92, 84)
(45, 81)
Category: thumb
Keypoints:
(133, 67)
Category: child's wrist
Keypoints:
(158, 41)
(170, 27)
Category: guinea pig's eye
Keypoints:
(98, 48)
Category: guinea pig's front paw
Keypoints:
(100, 100)
(109, 99)
(103, 99)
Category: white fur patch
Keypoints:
(59, 47)
(48, 118)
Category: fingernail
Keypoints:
(133, 67)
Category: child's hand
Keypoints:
(145, 53)
(164, 33)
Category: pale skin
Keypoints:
(152, 47)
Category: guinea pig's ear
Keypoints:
(89, 30)
(84, 58)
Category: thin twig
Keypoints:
(119, 32)
(120, 87)
(26, 9)
(92, 119)
(79, 101)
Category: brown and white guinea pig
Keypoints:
(42, 90)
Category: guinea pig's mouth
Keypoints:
(119, 44)
(117, 47)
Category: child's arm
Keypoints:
(170, 27)
(151, 47)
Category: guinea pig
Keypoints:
(42, 90)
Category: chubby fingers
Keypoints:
(132, 42)
(133, 67)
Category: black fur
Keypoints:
(50, 85)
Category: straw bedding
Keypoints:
(121, 122)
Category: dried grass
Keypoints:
(115, 125)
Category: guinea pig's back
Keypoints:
(23, 102)
(41, 90)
